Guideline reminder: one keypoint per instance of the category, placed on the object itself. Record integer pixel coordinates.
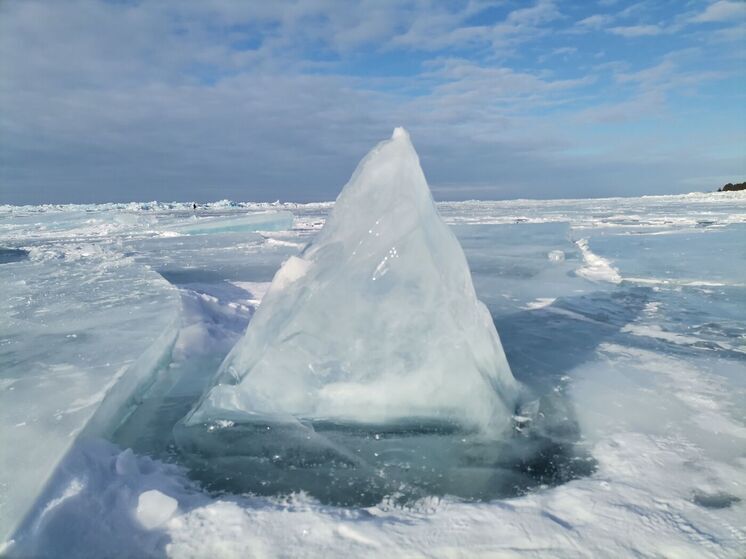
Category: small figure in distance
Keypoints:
(194, 206)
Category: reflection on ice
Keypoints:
(361, 464)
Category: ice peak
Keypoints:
(400, 133)
(376, 321)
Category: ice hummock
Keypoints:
(376, 322)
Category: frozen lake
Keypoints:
(625, 318)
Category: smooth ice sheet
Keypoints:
(260, 221)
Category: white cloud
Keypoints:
(542, 12)
(651, 104)
(565, 50)
(722, 10)
(436, 28)
(596, 21)
(652, 75)
(119, 97)
(636, 30)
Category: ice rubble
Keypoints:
(376, 321)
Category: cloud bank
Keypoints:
(115, 100)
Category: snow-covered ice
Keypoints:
(79, 337)
(634, 345)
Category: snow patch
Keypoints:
(257, 289)
(655, 331)
(540, 303)
(595, 267)
(155, 508)
(556, 256)
(292, 270)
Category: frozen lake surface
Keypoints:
(625, 318)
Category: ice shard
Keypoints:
(376, 321)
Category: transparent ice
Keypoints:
(376, 321)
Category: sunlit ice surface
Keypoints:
(624, 318)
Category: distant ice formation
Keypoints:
(261, 221)
(376, 321)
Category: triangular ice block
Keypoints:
(376, 321)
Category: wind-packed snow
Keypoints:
(376, 321)
(650, 371)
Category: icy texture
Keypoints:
(668, 343)
(78, 338)
(376, 321)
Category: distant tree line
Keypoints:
(730, 187)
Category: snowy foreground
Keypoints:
(629, 314)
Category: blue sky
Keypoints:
(203, 100)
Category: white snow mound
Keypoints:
(154, 508)
(376, 321)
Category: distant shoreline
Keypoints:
(155, 205)
(730, 187)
